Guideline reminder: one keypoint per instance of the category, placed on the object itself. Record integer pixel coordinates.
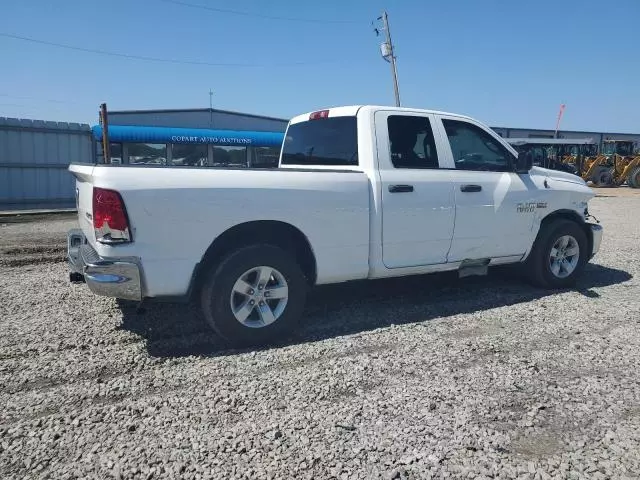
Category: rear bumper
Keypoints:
(596, 234)
(109, 277)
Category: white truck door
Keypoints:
(494, 214)
(417, 195)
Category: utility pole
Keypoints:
(392, 55)
(104, 121)
(388, 54)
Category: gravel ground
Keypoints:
(412, 378)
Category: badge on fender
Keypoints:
(528, 207)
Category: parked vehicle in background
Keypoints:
(361, 192)
(622, 163)
(564, 154)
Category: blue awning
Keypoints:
(126, 133)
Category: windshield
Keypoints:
(325, 141)
(608, 148)
(590, 150)
(623, 148)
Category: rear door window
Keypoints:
(325, 141)
(412, 142)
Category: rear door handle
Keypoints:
(470, 188)
(400, 188)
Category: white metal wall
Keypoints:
(34, 156)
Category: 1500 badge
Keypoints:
(528, 207)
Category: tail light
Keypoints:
(319, 114)
(110, 221)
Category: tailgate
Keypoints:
(84, 198)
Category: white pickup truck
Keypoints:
(361, 192)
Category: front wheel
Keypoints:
(603, 178)
(558, 255)
(255, 296)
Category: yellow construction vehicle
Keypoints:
(609, 168)
(573, 153)
(563, 154)
(633, 180)
(621, 162)
(594, 168)
(583, 156)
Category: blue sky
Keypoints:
(505, 62)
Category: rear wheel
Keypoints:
(255, 296)
(558, 255)
(633, 180)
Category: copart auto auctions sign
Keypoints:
(214, 140)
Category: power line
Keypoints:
(259, 15)
(30, 108)
(38, 99)
(157, 59)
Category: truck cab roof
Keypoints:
(353, 110)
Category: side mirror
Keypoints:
(524, 162)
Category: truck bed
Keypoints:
(176, 213)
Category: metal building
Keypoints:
(203, 137)
(34, 156)
(198, 118)
(597, 137)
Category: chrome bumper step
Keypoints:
(110, 277)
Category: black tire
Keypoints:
(538, 265)
(215, 298)
(634, 178)
(603, 178)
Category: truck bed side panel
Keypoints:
(176, 214)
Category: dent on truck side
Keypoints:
(560, 195)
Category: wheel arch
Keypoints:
(269, 232)
(564, 214)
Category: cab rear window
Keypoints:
(325, 141)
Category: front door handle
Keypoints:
(470, 188)
(400, 188)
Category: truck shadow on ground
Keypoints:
(175, 330)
